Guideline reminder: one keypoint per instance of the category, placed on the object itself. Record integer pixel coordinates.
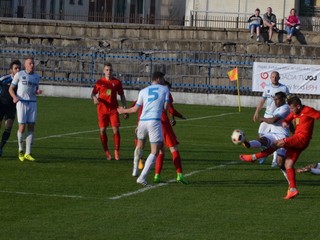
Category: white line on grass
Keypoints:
(170, 181)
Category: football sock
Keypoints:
(147, 166)
(116, 140)
(104, 141)
(5, 137)
(255, 144)
(20, 140)
(29, 141)
(177, 161)
(292, 177)
(285, 174)
(159, 163)
(136, 157)
(265, 153)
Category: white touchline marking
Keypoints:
(47, 195)
(170, 181)
(96, 130)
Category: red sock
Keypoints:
(177, 161)
(265, 152)
(159, 163)
(291, 177)
(116, 140)
(104, 141)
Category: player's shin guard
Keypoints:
(265, 152)
(29, 141)
(147, 166)
(116, 140)
(104, 141)
(5, 137)
(20, 137)
(159, 163)
(137, 156)
(177, 161)
(291, 177)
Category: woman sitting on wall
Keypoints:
(292, 24)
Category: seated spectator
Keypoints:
(255, 23)
(292, 24)
(312, 168)
(270, 22)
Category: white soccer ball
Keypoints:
(238, 136)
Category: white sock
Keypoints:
(136, 157)
(29, 141)
(285, 174)
(147, 166)
(20, 140)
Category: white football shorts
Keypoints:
(26, 112)
(153, 129)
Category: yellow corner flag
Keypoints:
(233, 74)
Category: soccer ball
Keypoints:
(238, 136)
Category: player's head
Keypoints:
(279, 99)
(15, 67)
(107, 70)
(29, 64)
(166, 83)
(295, 104)
(275, 77)
(158, 77)
(257, 12)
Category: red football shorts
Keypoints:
(169, 137)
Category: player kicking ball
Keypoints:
(303, 118)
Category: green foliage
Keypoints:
(71, 191)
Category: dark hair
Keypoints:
(257, 9)
(108, 64)
(294, 100)
(166, 83)
(157, 75)
(15, 62)
(281, 95)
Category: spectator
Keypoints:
(292, 24)
(255, 23)
(270, 22)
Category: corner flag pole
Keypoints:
(233, 76)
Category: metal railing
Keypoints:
(191, 71)
(196, 18)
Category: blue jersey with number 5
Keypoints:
(152, 98)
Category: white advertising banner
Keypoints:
(299, 78)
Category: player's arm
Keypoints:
(124, 105)
(258, 108)
(270, 120)
(122, 110)
(13, 94)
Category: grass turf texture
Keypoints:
(68, 192)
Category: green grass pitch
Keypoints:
(73, 192)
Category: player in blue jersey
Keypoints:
(27, 84)
(267, 99)
(7, 106)
(154, 99)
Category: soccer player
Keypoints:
(27, 84)
(276, 132)
(154, 99)
(303, 118)
(267, 99)
(7, 106)
(170, 141)
(104, 95)
(312, 168)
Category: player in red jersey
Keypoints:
(303, 118)
(170, 141)
(107, 88)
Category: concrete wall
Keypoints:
(179, 97)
